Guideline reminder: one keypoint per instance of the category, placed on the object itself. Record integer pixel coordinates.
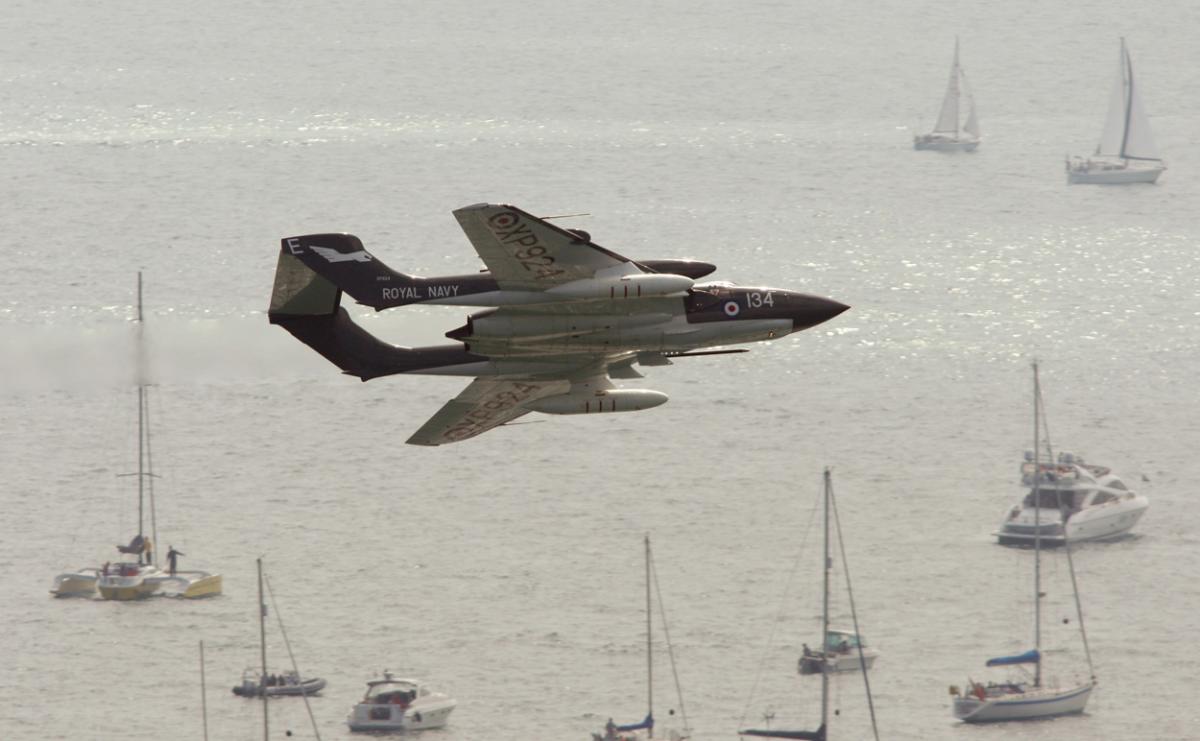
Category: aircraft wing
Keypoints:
(484, 404)
(526, 253)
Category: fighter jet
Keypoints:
(566, 316)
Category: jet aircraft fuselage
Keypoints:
(565, 316)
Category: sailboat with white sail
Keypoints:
(136, 574)
(1029, 697)
(828, 664)
(644, 729)
(953, 132)
(1126, 153)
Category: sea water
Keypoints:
(771, 138)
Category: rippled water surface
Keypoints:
(770, 138)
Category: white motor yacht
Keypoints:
(1071, 500)
(395, 704)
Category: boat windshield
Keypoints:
(392, 691)
(1055, 499)
(836, 640)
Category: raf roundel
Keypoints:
(503, 220)
(732, 308)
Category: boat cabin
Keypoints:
(842, 641)
(393, 691)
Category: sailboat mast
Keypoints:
(1037, 526)
(262, 647)
(141, 389)
(825, 595)
(649, 650)
(203, 693)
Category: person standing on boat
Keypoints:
(173, 558)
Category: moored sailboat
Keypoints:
(1126, 153)
(825, 665)
(953, 132)
(1029, 697)
(644, 729)
(137, 574)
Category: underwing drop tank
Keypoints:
(615, 400)
(626, 286)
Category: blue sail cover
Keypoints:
(647, 722)
(1029, 657)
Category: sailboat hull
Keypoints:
(933, 143)
(76, 584)
(127, 592)
(1092, 174)
(137, 583)
(1040, 703)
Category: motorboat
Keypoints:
(396, 704)
(953, 133)
(1033, 695)
(1126, 152)
(1070, 499)
(841, 654)
(286, 684)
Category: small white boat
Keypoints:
(395, 704)
(995, 702)
(287, 684)
(1126, 153)
(1071, 500)
(841, 654)
(948, 135)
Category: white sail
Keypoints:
(1126, 127)
(947, 122)
(1139, 142)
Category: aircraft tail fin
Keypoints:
(343, 261)
(307, 305)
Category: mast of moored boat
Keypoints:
(649, 646)
(825, 588)
(203, 693)
(141, 392)
(1037, 527)
(262, 647)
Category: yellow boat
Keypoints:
(138, 575)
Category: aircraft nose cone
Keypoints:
(809, 311)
